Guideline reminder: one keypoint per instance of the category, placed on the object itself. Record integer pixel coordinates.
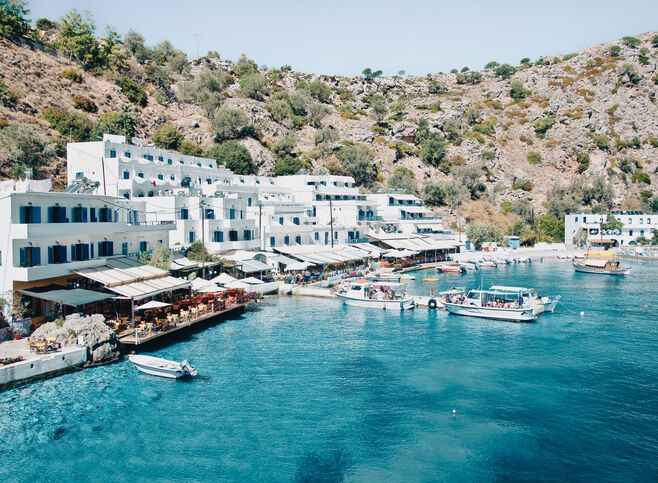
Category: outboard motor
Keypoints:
(187, 367)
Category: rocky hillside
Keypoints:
(506, 136)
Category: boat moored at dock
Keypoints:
(492, 304)
(378, 295)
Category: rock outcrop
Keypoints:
(100, 340)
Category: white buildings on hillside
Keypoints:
(584, 226)
(51, 236)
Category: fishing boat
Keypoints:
(492, 304)
(156, 366)
(600, 266)
(378, 295)
(539, 304)
(600, 262)
(451, 269)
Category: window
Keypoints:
(79, 214)
(272, 241)
(143, 246)
(30, 257)
(160, 158)
(105, 248)
(584, 219)
(248, 201)
(29, 214)
(208, 180)
(172, 177)
(181, 162)
(190, 237)
(57, 254)
(124, 249)
(317, 236)
(127, 154)
(79, 252)
(126, 174)
(286, 240)
(336, 235)
(295, 220)
(161, 177)
(231, 214)
(113, 153)
(326, 238)
(210, 214)
(170, 162)
(140, 175)
(247, 234)
(576, 219)
(217, 236)
(56, 214)
(281, 220)
(630, 232)
(92, 215)
(184, 214)
(233, 235)
(298, 239)
(79, 175)
(105, 215)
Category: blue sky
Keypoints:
(344, 36)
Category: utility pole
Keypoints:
(202, 205)
(197, 36)
(331, 221)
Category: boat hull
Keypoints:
(402, 304)
(584, 269)
(514, 315)
(152, 369)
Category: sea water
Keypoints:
(308, 389)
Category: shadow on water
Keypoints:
(315, 467)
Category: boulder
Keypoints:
(100, 340)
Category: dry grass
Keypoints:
(482, 211)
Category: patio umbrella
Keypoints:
(153, 304)
(211, 289)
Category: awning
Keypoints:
(223, 279)
(413, 209)
(251, 281)
(72, 297)
(141, 290)
(153, 304)
(369, 248)
(252, 266)
(184, 263)
(595, 263)
(297, 266)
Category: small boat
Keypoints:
(540, 304)
(378, 295)
(468, 265)
(491, 304)
(430, 279)
(487, 264)
(156, 366)
(451, 269)
(600, 266)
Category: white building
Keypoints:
(584, 226)
(404, 213)
(50, 236)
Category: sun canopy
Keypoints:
(184, 263)
(212, 288)
(199, 283)
(72, 297)
(400, 253)
(252, 266)
(251, 281)
(297, 266)
(595, 263)
(223, 279)
(153, 304)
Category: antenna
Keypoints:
(197, 36)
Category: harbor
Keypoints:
(275, 371)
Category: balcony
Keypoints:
(370, 218)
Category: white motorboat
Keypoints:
(156, 366)
(539, 304)
(468, 265)
(378, 295)
(600, 266)
(487, 264)
(491, 305)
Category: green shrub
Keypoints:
(233, 156)
(369, 75)
(287, 165)
(518, 91)
(520, 184)
(71, 74)
(615, 51)
(22, 148)
(469, 78)
(630, 72)
(432, 149)
(14, 21)
(45, 24)
(320, 91)
(534, 157)
(505, 71)
(167, 136)
(543, 125)
(436, 88)
(640, 176)
(84, 104)
(583, 162)
(489, 155)
(76, 38)
(357, 162)
(122, 123)
(245, 66)
(402, 179)
(478, 234)
(631, 42)
(190, 148)
(254, 86)
(230, 123)
(643, 56)
(8, 96)
(69, 124)
(601, 141)
(133, 91)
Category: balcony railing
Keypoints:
(370, 218)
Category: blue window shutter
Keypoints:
(50, 255)
(36, 214)
(50, 214)
(84, 215)
(36, 256)
(22, 255)
(110, 248)
(21, 214)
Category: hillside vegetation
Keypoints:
(513, 147)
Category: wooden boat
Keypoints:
(156, 366)
(600, 266)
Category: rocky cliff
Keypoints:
(589, 117)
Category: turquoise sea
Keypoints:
(309, 390)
